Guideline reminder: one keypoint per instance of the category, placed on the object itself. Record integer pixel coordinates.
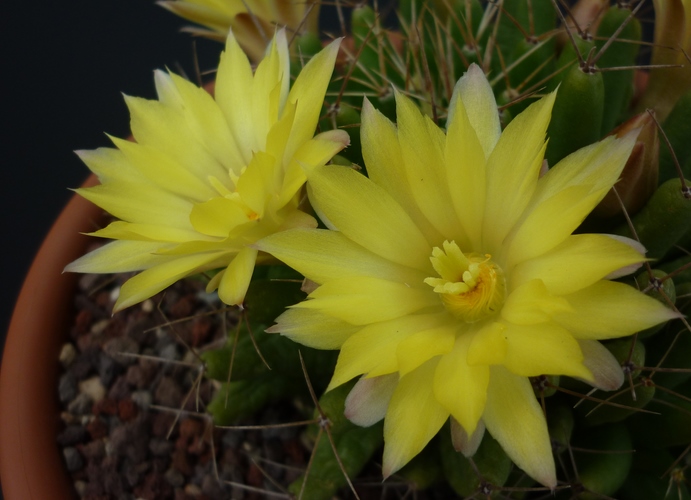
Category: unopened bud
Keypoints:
(640, 175)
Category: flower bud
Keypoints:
(639, 177)
(672, 47)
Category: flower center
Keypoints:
(472, 287)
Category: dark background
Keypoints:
(64, 66)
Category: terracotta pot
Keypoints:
(31, 465)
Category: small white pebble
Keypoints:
(99, 326)
(67, 354)
(148, 305)
(93, 388)
(193, 490)
(80, 487)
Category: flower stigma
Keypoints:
(472, 287)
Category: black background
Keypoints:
(63, 67)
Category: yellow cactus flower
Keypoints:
(672, 46)
(252, 21)
(206, 177)
(451, 275)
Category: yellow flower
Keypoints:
(672, 46)
(206, 177)
(451, 275)
(252, 21)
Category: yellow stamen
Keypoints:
(472, 287)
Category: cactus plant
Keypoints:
(485, 325)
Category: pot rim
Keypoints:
(31, 464)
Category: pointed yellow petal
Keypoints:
(308, 93)
(118, 257)
(204, 124)
(258, 182)
(361, 300)
(460, 388)
(382, 154)
(313, 153)
(321, 255)
(155, 279)
(597, 165)
(465, 170)
(313, 328)
(366, 214)
(578, 262)
(162, 127)
(422, 150)
(481, 108)
(236, 280)
(561, 214)
(368, 400)
(515, 419)
(512, 170)
(609, 310)
(147, 232)
(544, 349)
(413, 418)
(233, 86)
(217, 217)
(488, 345)
(372, 350)
(532, 303)
(419, 347)
(164, 171)
(144, 203)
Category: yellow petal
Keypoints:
(233, 86)
(155, 279)
(148, 232)
(361, 300)
(164, 171)
(460, 388)
(368, 215)
(532, 303)
(552, 222)
(382, 154)
(514, 418)
(313, 328)
(413, 418)
(118, 257)
(544, 349)
(321, 255)
(512, 170)
(308, 92)
(422, 150)
(597, 165)
(465, 168)
(144, 203)
(481, 108)
(236, 280)
(419, 347)
(217, 217)
(578, 262)
(258, 182)
(609, 310)
(372, 350)
(206, 122)
(313, 153)
(162, 127)
(488, 345)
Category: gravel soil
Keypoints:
(125, 379)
